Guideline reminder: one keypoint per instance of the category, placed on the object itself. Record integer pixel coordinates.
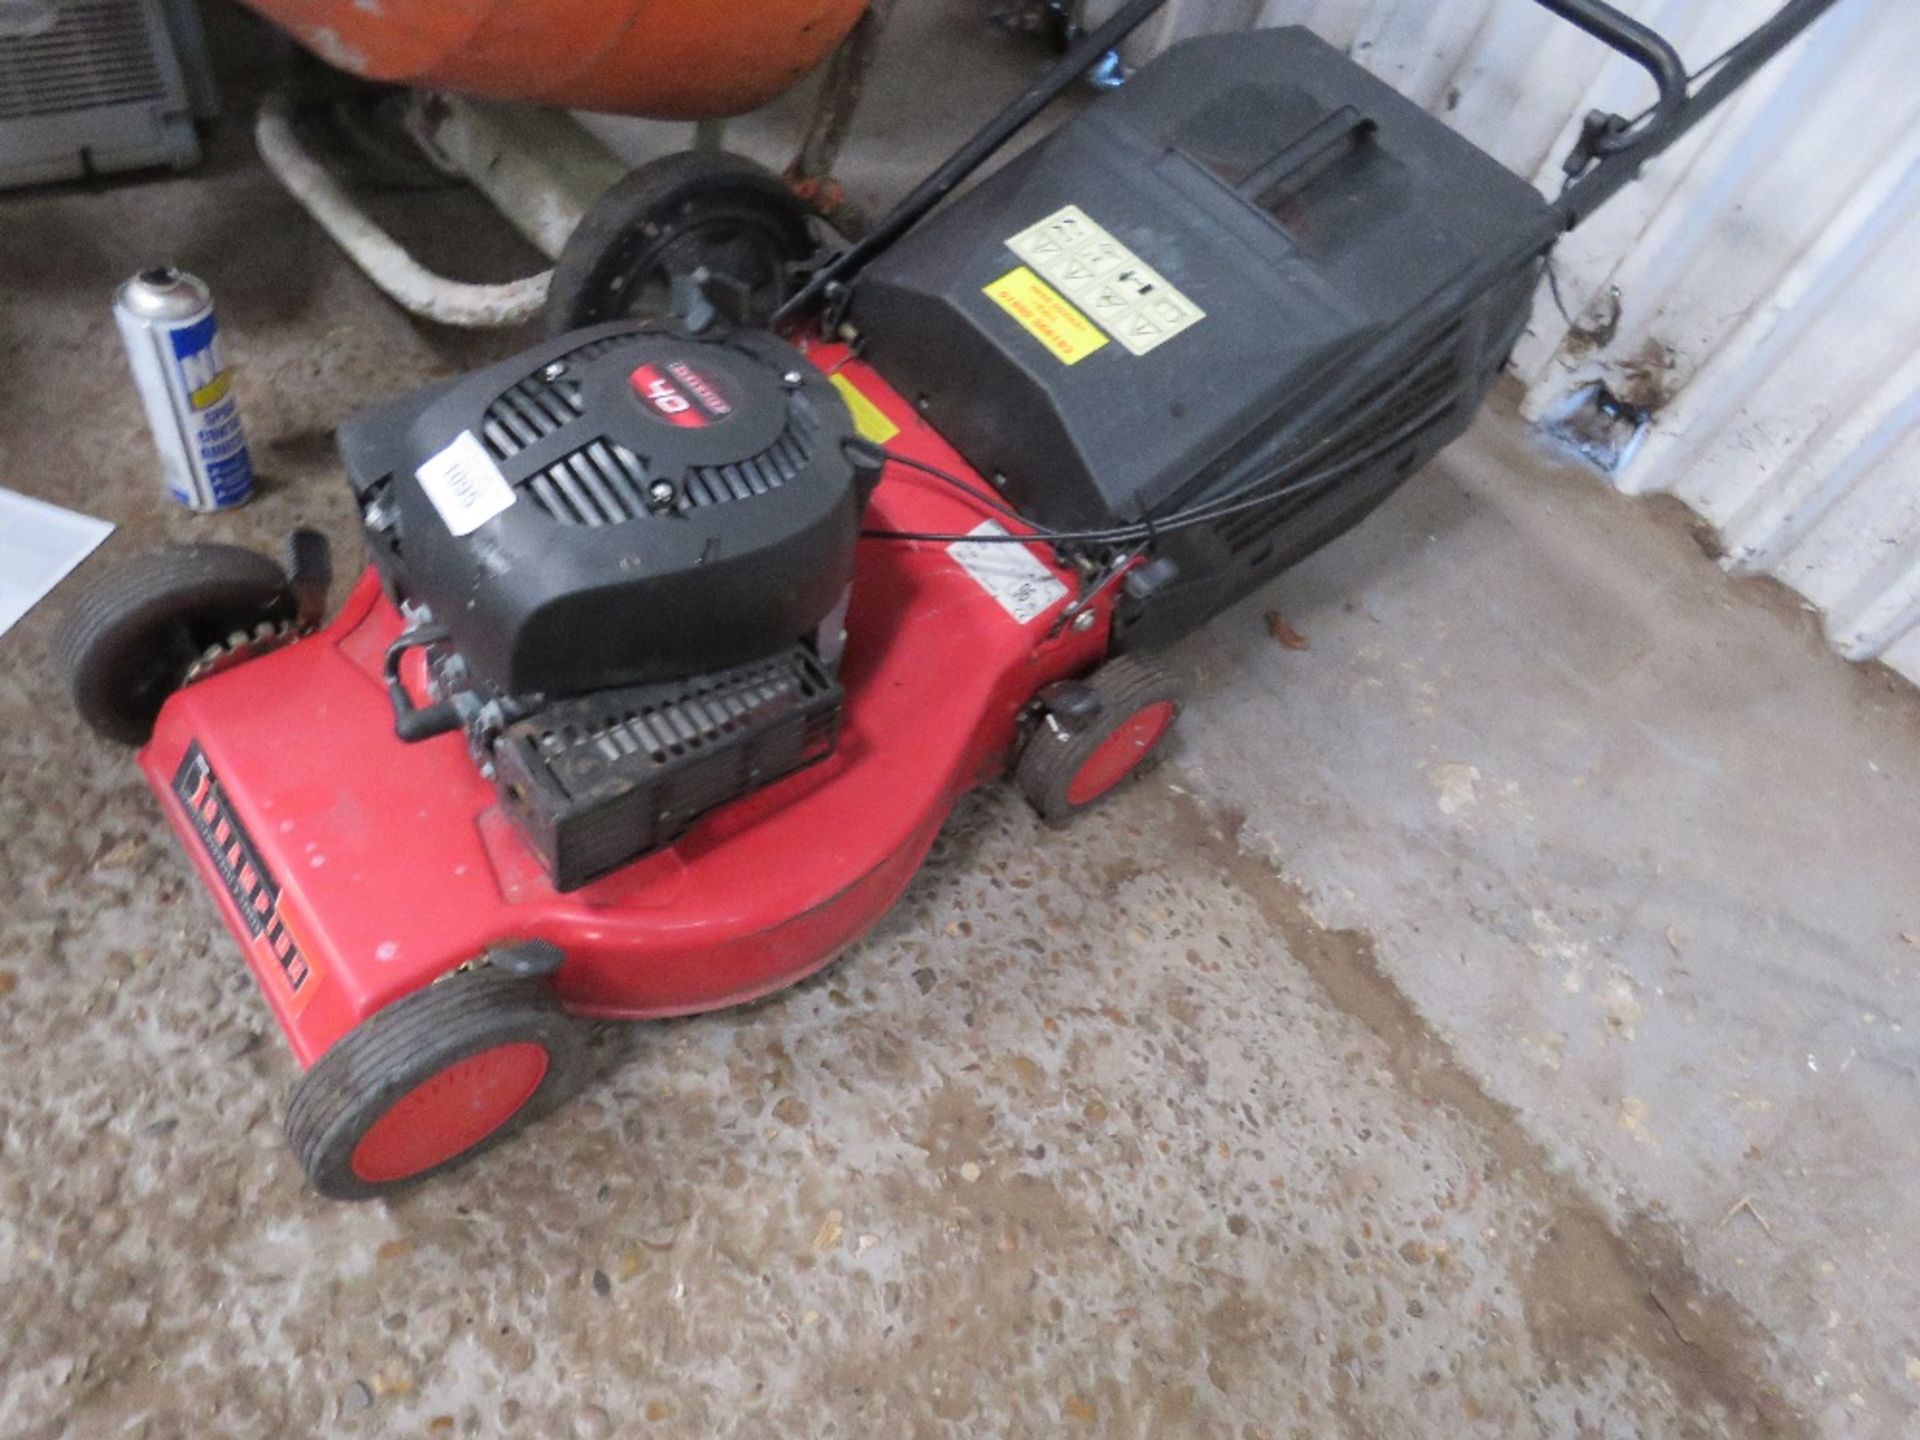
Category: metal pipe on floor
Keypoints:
(384, 260)
(540, 167)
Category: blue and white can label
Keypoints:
(173, 344)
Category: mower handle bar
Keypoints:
(1609, 154)
(1646, 49)
(1611, 151)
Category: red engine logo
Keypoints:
(680, 395)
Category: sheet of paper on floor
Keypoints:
(39, 545)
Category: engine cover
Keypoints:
(617, 507)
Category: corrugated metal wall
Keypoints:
(1762, 284)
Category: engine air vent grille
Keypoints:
(597, 781)
(786, 458)
(604, 483)
(89, 53)
(709, 709)
(598, 484)
(537, 407)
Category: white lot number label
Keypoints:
(1122, 294)
(466, 487)
(1011, 574)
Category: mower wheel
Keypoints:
(673, 216)
(1069, 768)
(431, 1081)
(145, 628)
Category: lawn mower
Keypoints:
(685, 629)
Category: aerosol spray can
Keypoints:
(173, 342)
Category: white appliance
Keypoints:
(93, 86)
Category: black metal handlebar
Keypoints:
(1611, 150)
(1642, 46)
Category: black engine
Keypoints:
(627, 556)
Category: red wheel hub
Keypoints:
(450, 1112)
(1120, 754)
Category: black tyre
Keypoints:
(1067, 768)
(433, 1080)
(669, 218)
(137, 635)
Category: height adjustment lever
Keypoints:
(309, 567)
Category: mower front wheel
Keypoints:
(149, 626)
(669, 220)
(431, 1081)
(1080, 754)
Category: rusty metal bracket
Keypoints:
(841, 88)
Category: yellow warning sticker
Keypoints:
(868, 418)
(1047, 315)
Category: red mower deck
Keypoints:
(355, 869)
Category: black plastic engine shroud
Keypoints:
(671, 506)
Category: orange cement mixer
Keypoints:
(667, 59)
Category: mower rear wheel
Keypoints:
(431, 1081)
(140, 633)
(669, 218)
(1067, 769)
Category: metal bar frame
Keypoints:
(810, 175)
(1612, 150)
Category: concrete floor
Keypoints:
(1497, 1020)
